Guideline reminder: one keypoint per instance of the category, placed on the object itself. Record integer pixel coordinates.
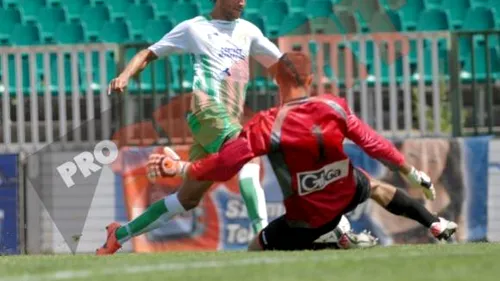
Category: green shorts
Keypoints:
(210, 129)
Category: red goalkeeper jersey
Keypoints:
(304, 143)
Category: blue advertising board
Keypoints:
(9, 208)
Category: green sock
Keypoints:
(157, 214)
(253, 196)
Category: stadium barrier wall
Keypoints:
(467, 192)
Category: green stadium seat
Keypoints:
(184, 11)
(74, 8)
(410, 13)
(160, 75)
(273, 13)
(25, 34)
(297, 6)
(25, 74)
(48, 19)
(366, 10)
(388, 21)
(10, 3)
(433, 19)
(477, 3)
(479, 18)
(319, 12)
(182, 64)
(163, 8)
(257, 20)
(118, 8)
(137, 17)
(253, 6)
(318, 8)
(480, 62)
(457, 10)
(10, 17)
(156, 29)
(295, 24)
(68, 73)
(433, 3)
(29, 9)
(342, 22)
(206, 7)
(69, 33)
(114, 32)
(93, 19)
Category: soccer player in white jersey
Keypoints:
(221, 44)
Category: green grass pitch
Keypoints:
(398, 263)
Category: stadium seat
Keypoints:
(118, 8)
(477, 3)
(388, 21)
(342, 22)
(29, 9)
(162, 8)
(318, 8)
(74, 8)
(479, 18)
(156, 29)
(48, 19)
(319, 12)
(69, 33)
(25, 34)
(114, 32)
(184, 11)
(25, 74)
(10, 17)
(433, 19)
(457, 10)
(257, 20)
(295, 24)
(410, 13)
(297, 6)
(253, 6)
(433, 3)
(137, 17)
(182, 65)
(206, 6)
(10, 3)
(273, 13)
(480, 62)
(366, 10)
(161, 67)
(93, 19)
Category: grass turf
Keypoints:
(415, 262)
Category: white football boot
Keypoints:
(443, 229)
(345, 238)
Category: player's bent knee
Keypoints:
(191, 193)
(382, 192)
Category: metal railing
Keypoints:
(398, 83)
(49, 92)
(475, 66)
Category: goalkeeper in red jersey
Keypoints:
(303, 139)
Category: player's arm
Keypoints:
(384, 151)
(253, 141)
(176, 41)
(265, 51)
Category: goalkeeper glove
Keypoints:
(422, 180)
(165, 165)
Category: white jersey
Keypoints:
(220, 50)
